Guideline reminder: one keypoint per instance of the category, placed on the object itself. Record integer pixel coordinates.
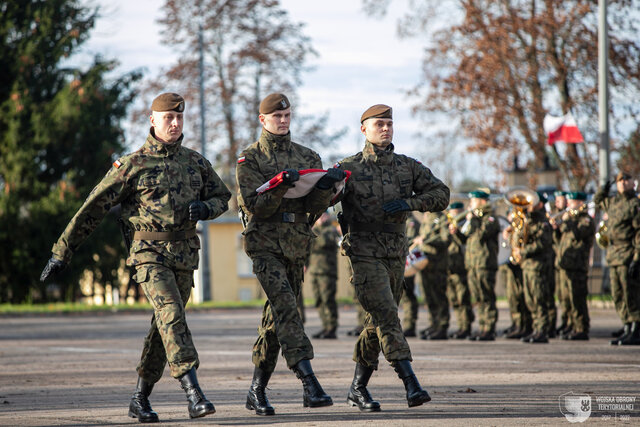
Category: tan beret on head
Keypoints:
(622, 175)
(274, 102)
(168, 102)
(379, 111)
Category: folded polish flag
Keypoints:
(303, 186)
(563, 129)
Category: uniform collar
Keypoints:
(377, 155)
(154, 146)
(270, 141)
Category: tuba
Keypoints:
(520, 198)
(602, 237)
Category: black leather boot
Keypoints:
(313, 394)
(199, 406)
(633, 338)
(626, 330)
(257, 399)
(139, 407)
(358, 394)
(416, 396)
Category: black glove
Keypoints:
(607, 185)
(634, 269)
(394, 206)
(332, 176)
(198, 210)
(53, 267)
(290, 176)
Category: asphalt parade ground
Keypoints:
(80, 370)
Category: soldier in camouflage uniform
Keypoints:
(323, 271)
(481, 259)
(623, 253)
(164, 189)
(409, 299)
(383, 189)
(434, 242)
(577, 231)
(562, 287)
(537, 270)
(457, 285)
(277, 238)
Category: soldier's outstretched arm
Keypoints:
(431, 194)
(602, 196)
(248, 179)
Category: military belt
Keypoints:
(164, 235)
(288, 217)
(377, 227)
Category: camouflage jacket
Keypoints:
(623, 226)
(155, 186)
(324, 250)
(481, 239)
(436, 241)
(381, 176)
(260, 162)
(456, 252)
(537, 252)
(576, 238)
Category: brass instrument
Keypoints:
(520, 198)
(602, 238)
(556, 219)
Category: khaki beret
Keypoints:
(168, 102)
(274, 102)
(379, 111)
(622, 175)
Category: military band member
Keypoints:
(577, 231)
(481, 261)
(623, 253)
(410, 305)
(164, 189)
(562, 290)
(277, 238)
(384, 188)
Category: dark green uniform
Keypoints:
(277, 238)
(376, 242)
(410, 304)
(562, 286)
(537, 269)
(624, 246)
(520, 314)
(457, 286)
(572, 261)
(155, 185)
(481, 260)
(323, 271)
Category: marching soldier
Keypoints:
(409, 300)
(572, 260)
(562, 290)
(457, 285)
(385, 187)
(164, 189)
(323, 271)
(481, 260)
(623, 253)
(277, 238)
(434, 241)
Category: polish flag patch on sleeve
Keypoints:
(241, 159)
(117, 164)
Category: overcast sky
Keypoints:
(361, 61)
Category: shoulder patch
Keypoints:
(241, 159)
(117, 164)
(336, 165)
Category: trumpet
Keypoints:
(556, 219)
(520, 198)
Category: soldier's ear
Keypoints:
(151, 121)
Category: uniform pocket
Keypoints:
(142, 275)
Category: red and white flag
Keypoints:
(562, 129)
(303, 186)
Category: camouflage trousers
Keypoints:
(169, 338)
(536, 291)
(576, 283)
(520, 314)
(324, 290)
(625, 291)
(281, 326)
(360, 313)
(460, 299)
(378, 283)
(409, 303)
(551, 299)
(482, 283)
(434, 285)
(563, 294)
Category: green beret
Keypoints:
(478, 194)
(274, 102)
(168, 102)
(622, 175)
(559, 193)
(577, 195)
(379, 111)
(542, 196)
(456, 205)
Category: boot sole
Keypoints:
(419, 402)
(317, 405)
(150, 420)
(354, 403)
(253, 408)
(202, 414)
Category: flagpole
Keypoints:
(603, 92)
